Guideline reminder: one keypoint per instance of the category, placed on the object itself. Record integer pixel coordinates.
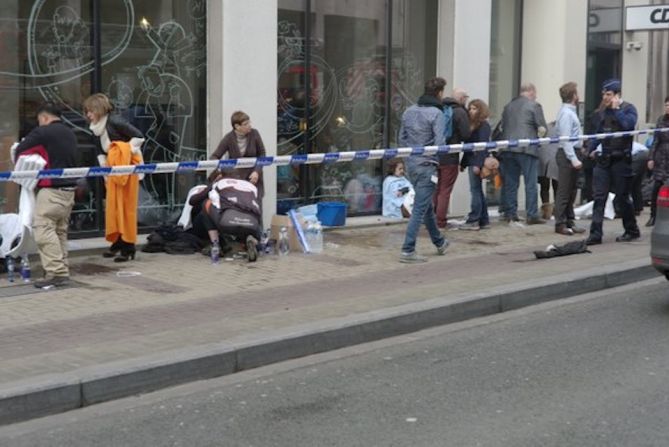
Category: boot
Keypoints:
(127, 252)
(546, 211)
(115, 248)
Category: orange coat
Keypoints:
(122, 195)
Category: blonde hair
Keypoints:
(99, 104)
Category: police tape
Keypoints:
(306, 159)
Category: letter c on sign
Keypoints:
(660, 15)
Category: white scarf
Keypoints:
(100, 130)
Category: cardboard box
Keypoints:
(279, 221)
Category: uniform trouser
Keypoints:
(618, 175)
(52, 217)
(566, 190)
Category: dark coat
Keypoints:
(254, 148)
(476, 158)
(461, 130)
(659, 152)
(119, 129)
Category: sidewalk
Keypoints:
(165, 319)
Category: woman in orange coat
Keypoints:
(121, 143)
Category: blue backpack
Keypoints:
(448, 129)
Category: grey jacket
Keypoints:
(521, 119)
(423, 125)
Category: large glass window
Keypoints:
(658, 71)
(345, 76)
(605, 21)
(151, 62)
(505, 49)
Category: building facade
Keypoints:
(314, 75)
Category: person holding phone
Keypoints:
(395, 188)
(613, 165)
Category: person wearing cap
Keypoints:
(55, 197)
(613, 165)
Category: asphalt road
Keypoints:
(588, 371)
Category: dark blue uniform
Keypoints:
(613, 169)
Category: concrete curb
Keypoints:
(41, 396)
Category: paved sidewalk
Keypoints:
(161, 304)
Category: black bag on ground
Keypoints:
(570, 248)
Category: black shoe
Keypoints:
(592, 240)
(127, 253)
(628, 237)
(252, 248)
(510, 219)
(115, 248)
(56, 281)
(535, 221)
(651, 222)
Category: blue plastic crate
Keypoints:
(332, 214)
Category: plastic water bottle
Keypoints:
(215, 253)
(9, 263)
(25, 268)
(282, 245)
(316, 242)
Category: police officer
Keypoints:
(613, 165)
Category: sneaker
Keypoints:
(577, 230)
(628, 237)
(56, 281)
(441, 251)
(564, 230)
(484, 226)
(412, 258)
(470, 226)
(252, 248)
(511, 219)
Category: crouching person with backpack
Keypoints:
(231, 208)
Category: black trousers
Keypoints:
(639, 163)
(657, 184)
(566, 190)
(616, 175)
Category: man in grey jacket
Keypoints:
(423, 125)
(522, 118)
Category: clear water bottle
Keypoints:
(316, 243)
(283, 247)
(215, 253)
(25, 268)
(11, 272)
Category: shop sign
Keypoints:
(646, 17)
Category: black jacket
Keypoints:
(60, 144)
(461, 132)
(121, 130)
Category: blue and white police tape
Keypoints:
(282, 160)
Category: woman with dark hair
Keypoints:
(395, 189)
(480, 131)
(658, 160)
(121, 145)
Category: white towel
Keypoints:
(184, 220)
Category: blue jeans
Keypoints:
(420, 176)
(478, 206)
(514, 164)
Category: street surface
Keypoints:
(586, 371)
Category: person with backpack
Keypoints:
(423, 125)
(456, 131)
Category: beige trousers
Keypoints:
(52, 216)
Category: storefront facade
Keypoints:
(314, 75)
